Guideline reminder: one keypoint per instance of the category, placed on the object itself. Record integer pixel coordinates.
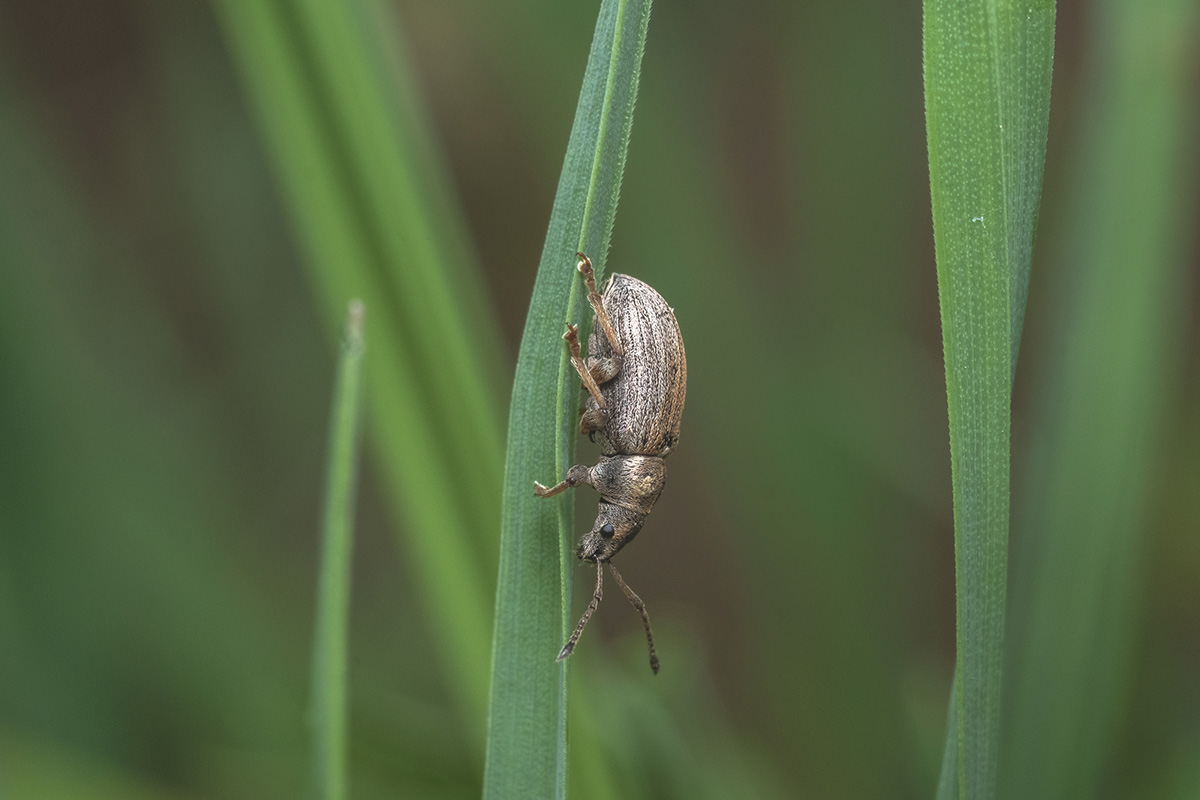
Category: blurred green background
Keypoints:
(166, 363)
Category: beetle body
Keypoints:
(636, 381)
(639, 424)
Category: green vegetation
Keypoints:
(190, 195)
(987, 105)
(1103, 401)
(331, 637)
(352, 160)
(527, 721)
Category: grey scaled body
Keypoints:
(636, 381)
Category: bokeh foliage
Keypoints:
(166, 353)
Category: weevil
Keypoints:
(636, 380)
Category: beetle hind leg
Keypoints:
(597, 303)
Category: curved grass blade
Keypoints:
(987, 94)
(526, 740)
(347, 148)
(1102, 401)
(331, 639)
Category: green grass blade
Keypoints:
(425, 275)
(1102, 401)
(526, 740)
(947, 788)
(331, 639)
(987, 92)
(345, 148)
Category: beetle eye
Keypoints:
(607, 531)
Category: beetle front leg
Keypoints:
(576, 475)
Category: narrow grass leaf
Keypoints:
(1101, 400)
(526, 739)
(331, 638)
(416, 231)
(347, 148)
(987, 92)
(947, 788)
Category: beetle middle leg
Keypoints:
(593, 372)
(585, 372)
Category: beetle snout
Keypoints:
(590, 549)
(596, 546)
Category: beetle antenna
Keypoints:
(637, 603)
(591, 609)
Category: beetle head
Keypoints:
(615, 526)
